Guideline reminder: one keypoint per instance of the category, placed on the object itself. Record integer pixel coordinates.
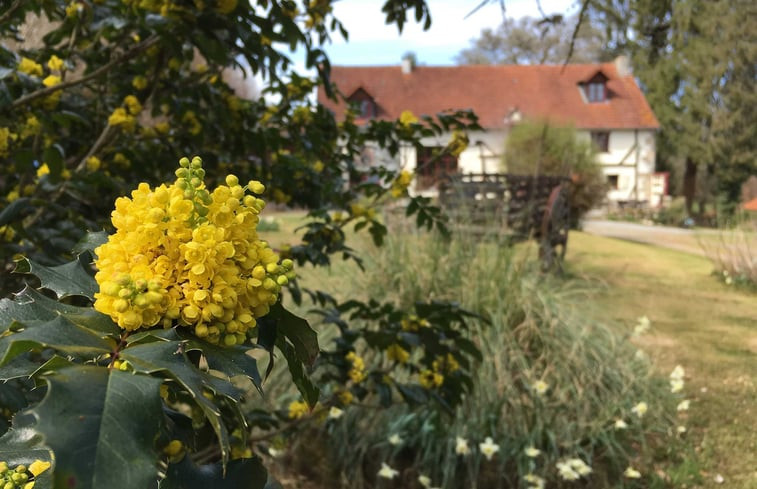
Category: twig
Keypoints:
(101, 70)
(574, 36)
(9, 12)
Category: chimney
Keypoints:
(623, 65)
(408, 63)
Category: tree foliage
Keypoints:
(540, 148)
(536, 41)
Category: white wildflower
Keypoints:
(676, 385)
(535, 481)
(273, 452)
(540, 387)
(719, 479)
(532, 451)
(681, 430)
(620, 424)
(580, 466)
(335, 413)
(642, 326)
(461, 446)
(424, 480)
(566, 472)
(488, 448)
(683, 405)
(387, 472)
(395, 440)
(632, 473)
(677, 373)
(640, 409)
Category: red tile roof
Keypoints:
(492, 92)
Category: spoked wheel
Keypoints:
(554, 229)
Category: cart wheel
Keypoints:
(554, 229)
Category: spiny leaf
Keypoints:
(106, 437)
(59, 334)
(90, 241)
(298, 331)
(22, 445)
(306, 387)
(65, 280)
(168, 358)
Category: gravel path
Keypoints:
(678, 239)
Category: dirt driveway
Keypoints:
(679, 239)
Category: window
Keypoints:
(433, 165)
(601, 140)
(595, 92)
(363, 104)
(367, 109)
(612, 181)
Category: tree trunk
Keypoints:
(690, 185)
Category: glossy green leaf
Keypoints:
(59, 334)
(169, 359)
(65, 280)
(306, 387)
(12, 210)
(90, 241)
(246, 473)
(105, 438)
(22, 445)
(298, 331)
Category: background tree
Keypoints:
(539, 148)
(695, 62)
(529, 40)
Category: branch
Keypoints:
(8, 13)
(581, 13)
(101, 70)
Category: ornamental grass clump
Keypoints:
(185, 255)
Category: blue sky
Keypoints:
(371, 42)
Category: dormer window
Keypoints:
(363, 103)
(595, 89)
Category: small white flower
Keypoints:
(719, 479)
(677, 373)
(540, 387)
(632, 473)
(274, 452)
(683, 405)
(461, 446)
(488, 448)
(424, 480)
(703, 390)
(335, 413)
(387, 472)
(532, 451)
(676, 385)
(681, 430)
(640, 409)
(580, 466)
(395, 440)
(728, 281)
(566, 472)
(535, 481)
(640, 355)
(620, 424)
(642, 326)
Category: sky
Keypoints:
(371, 42)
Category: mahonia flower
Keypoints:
(357, 372)
(387, 472)
(19, 476)
(447, 364)
(407, 118)
(93, 163)
(6, 136)
(29, 67)
(51, 81)
(43, 170)
(458, 143)
(120, 117)
(298, 409)
(139, 82)
(397, 353)
(132, 104)
(345, 397)
(55, 63)
(73, 9)
(430, 379)
(413, 323)
(185, 256)
(401, 183)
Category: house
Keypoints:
(602, 101)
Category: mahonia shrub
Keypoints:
(182, 253)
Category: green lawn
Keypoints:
(705, 326)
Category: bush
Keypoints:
(538, 147)
(734, 254)
(594, 378)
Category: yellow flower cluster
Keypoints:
(413, 323)
(124, 116)
(448, 364)
(19, 477)
(6, 136)
(397, 353)
(401, 183)
(184, 255)
(430, 379)
(29, 67)
(407, 118)
(298, 409)
(357, 372)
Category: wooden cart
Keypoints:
(521, 207)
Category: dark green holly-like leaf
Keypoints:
(65, 280)
(306, 387)
(246, 473)
(90, 241)
(12, 210)
(298, 331)
(169, 359)
(22, 445)
(30, 306)
(59, 334)
(104, 438)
